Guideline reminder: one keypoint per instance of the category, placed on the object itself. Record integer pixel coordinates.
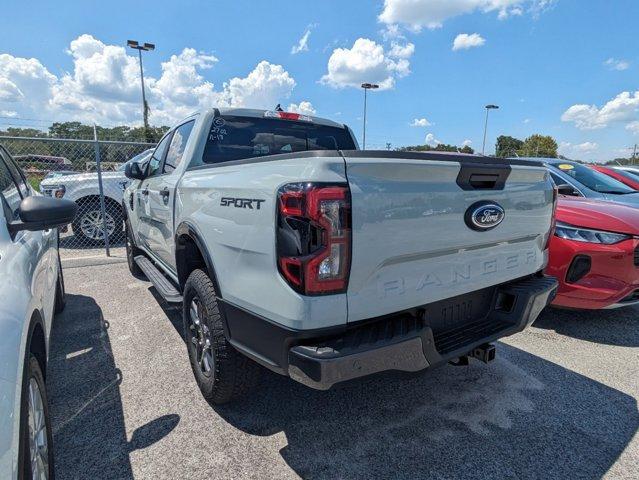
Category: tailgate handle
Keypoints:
(477, 176)
(483, 181)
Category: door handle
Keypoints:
(165, 192)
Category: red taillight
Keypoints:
(553, 223)
(314, 237)
(288, 116)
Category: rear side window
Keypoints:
(178, 144)
(11, 196)
(238, 138)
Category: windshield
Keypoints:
(237, 138)
(629, 173)
(592, 179)
(137, 158)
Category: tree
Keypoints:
(441, 147)
(508, 146)
(539, 146)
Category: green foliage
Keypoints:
(442, 147)
(539, 146)
(80, 154)
(508, 146)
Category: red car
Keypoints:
(594, 254)
(624, 177)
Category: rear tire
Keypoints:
(222, 373)
(36, 440)
(131, 252)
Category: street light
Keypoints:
(488, 107)
(145, 107)
(367, 87)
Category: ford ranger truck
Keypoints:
(290, 248)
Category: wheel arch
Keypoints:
(36, 341)
(190, 253)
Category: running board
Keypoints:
(162, 284)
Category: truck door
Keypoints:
(154, 170)
(161, 194)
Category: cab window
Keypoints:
(177, 146)
(158, 155)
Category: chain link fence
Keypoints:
(89, 172)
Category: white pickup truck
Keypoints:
(290, 248)
(84, 189)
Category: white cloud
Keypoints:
(633, 127)
(420, 122)
(617, 64)
(8, 113)
(464, 41)
(302, 44)
(467, 143)
(24, 81)
(401, 51)
(417, 14)
(431, 140)
(568, 149)
(104, 86)
(304, 107)
(589, 117)
(526, 120)
(366, 61)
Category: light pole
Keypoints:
(367, 87)
(488, 107)
(145, 106)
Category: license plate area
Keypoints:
(454, 312)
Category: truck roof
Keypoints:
(259, 113)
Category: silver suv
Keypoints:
(31, 292)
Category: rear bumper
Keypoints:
(406, 341)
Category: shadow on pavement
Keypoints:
(83, 386)
(520, 417)
(612, 327)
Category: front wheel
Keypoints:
(60, 293)
(35, 426)
(89, 225)
(222, 373)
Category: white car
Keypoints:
(84, 189)
(31, 292)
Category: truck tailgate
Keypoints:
(413, 242)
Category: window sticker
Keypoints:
(565, 166)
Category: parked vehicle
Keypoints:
(84, 189)
(576, 179)
(47, 161)
(595, 254)
(281, 241)
(31, 292)
(631, 169)
(624, 177)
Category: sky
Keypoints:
(566, 68)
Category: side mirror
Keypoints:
(567, 189)
(134, 171)
(42, 213)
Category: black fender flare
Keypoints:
(186, 228)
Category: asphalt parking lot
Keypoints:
(560, 401)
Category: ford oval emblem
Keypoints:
(483, 216)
